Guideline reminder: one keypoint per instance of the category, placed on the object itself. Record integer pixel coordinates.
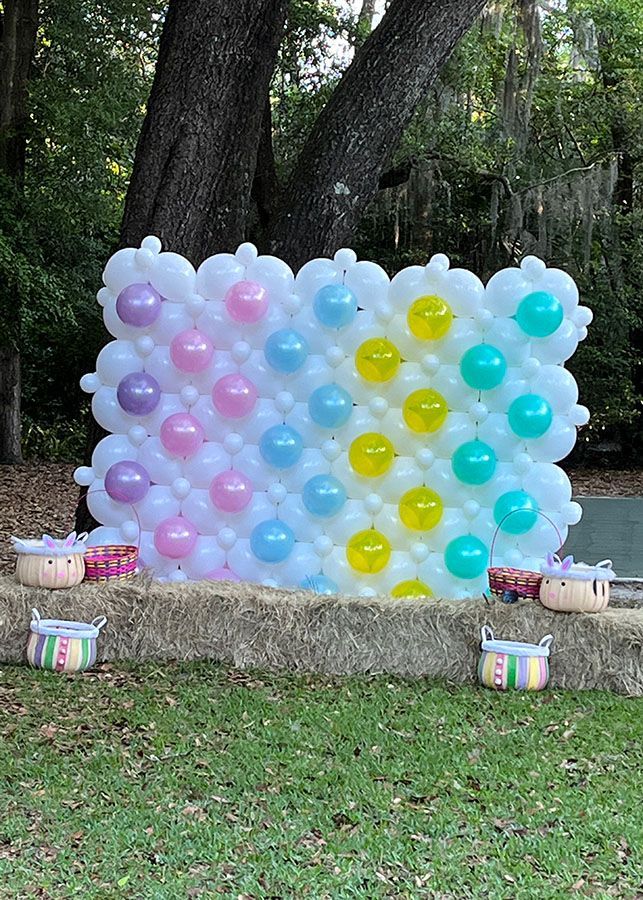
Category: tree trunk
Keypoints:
(196, 155)
(18, 28)
(357, 132)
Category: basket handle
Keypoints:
(99, 622)
(84, 497)
(511, 513)
(35, 615)
(546, 641)
(486, 633)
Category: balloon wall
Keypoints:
(336, 430)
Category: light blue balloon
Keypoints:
(474, 462)
(281, 446)
(272, 541)
(539, 314)
(286, 350)
(483, 367)
(515, 512)
(330, 406)
(323, 495)
(335, 305)
(320, 584)
(530, 416)
(466, 557)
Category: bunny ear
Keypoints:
(70, 539)
(550, 559)
(49, 542)
(567, 563)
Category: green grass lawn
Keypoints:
(173, 781)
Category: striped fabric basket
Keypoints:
(110, 561)
(512, 665)
(509, 584)
(61, 646)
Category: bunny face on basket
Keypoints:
(337, 430)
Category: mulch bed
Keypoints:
(41, 497)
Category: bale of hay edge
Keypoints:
(252, 626)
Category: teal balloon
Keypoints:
(530, 416)
(515, 512)
(466, 557)
(539, 314)
(483, 367)
(474, 462)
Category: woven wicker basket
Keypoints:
(110, 561)
(508, 584)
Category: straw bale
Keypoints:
(252, 626)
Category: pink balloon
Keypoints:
(191, 350)
(246, 301)
(234, 396)
(182, 434)
(175, 537)
(222, 574)
(231, 491)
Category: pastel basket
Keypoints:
(110, 561)
(62, 646)
(513, 665)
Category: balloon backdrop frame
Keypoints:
(336, 430)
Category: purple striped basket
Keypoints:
(512, 665)
(61, 646)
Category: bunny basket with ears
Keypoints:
(553, 567)
(48, 546)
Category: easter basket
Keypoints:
(62, 646)
(509, 584)
(575, 587)
(50, 563)
(106, 562)
(513, 665)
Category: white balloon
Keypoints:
(108, 412)
(161, 468)
(505, 290)
(109, 450)
(557, 386)
(216, 275)
(115, 360)
(172, 276)
(205, 558)
(158, 504)
(122, 270)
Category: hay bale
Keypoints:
(253, 626)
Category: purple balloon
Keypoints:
(139, 305)
(138, 393)
(127, 481)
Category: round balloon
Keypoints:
(474, 462)
(530, 416)
(466, 557)
(127, 481)
(335, 305)
(246, 302)
(377, 359)
(286, 350)
(429, 317)
(191, 351)
(182, 434)
(411, 589)
(138, 393)
(515, 512)
(368, 551)
(539, 314)
(175, 537)
(330, 406)
(421, 509)
(323, 495)
(272, 541)
(425, 410)
(483, 367)
(138, 305)
(281, 446)
(320, 584)
(371, 454)
(234, 396)
(231, 491)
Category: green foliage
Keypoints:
(192, 780)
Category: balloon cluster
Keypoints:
(338, 431)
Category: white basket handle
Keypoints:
(604, 564)
(99, 622)
(486, 633)
(546, 641)
(35, 615)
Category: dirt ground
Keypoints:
(42, 497)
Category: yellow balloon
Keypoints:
(368, 551)
(425, 410)
(411, 588)
(421, 509)
(371, 454)
(429, 317)
(377, 359)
